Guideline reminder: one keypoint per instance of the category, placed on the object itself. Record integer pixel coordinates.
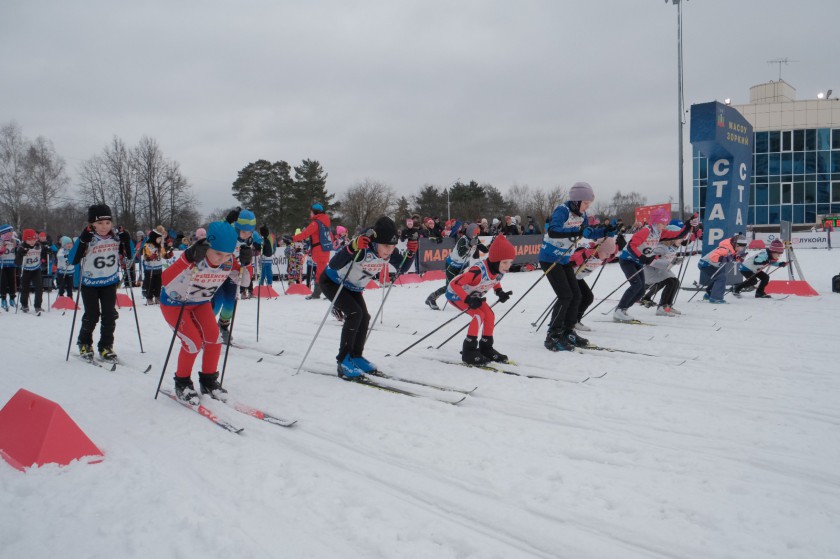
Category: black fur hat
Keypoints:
(97, 212)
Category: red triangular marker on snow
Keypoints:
(298, 289)
(265, 291)
(65, 303)
(123, 300)
(795, 287)
(35, 431)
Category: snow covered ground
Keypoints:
(725, 444)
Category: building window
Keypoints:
(787, 193)
(835, 192)
(775, 141)
(835, 138)
(761, 142)
(823, 138)
(810, 139)
(787, 140)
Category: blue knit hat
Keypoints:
(247, 221)
(221, 236)
(6, 228)
(317, 208)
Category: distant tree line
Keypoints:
(143, 187)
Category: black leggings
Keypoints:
(8, 282)
(761, 278)
(96, 298)
(356, 317)
(565, 285)
(26, 278)
(669, 287)
(634, 274)
(586, 298)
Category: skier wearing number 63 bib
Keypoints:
(186, 303)
(98, 250)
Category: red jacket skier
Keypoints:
(466, 292)
(320, 239)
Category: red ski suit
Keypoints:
(320, 255)
(480, 279)
(191, 286)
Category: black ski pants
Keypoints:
(761, 278)
(8, 282)
(356, 318)
(564, 315)
(634, 274)
(64, 283)
(99, 302)
(669, 288)
(27, 277)
(586, 298)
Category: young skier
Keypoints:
(318, 232)
(29, 260)
(244, 222)
(466, 247)
(752, 268)
(188, 288)
(64, 269)
(98, 249)
(8, 267)
(354, 267)
(466, 292)
(658, 276)
(568, 224)
(267, 253)
(154, 253)
(639, 253)
(713, 269)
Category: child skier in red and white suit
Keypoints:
(466, 292)
(186, 303)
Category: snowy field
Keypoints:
(724, 443)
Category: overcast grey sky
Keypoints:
(530, 92)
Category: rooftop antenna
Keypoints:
(781, 61)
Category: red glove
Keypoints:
(412, 246)
(360, 243)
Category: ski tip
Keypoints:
(260, 360)
(147, 369)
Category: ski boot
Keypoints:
(5, 305)
(714, 301)
(366, 366)
(762, 295)
(582, 327)
(555, 341)
(209, 384)
(24, 309)
(224, 330)
(665, 311)
(620, 315)
(185, 391)
(432, 303)
(107, 354)
(38, 310)
(647, 303)
(86, 352)
(470, 353)
(485, 347)
(347, 369)
(574, 338)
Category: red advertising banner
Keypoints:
(643, 212)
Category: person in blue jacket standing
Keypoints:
(568, 225)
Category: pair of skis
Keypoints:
(112, 365)
(509, 368)
(370, 380)
(235, 405)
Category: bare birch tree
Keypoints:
(364, 202)
(13, 177)
(45, 171)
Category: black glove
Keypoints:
(246, 254)
(197, 251)
(233, 215)
(264, 231)
(287, 239)
(646, 259)
(86, 235)
(782, 264)
(474, 300)
(503, 295)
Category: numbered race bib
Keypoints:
(101, 262)
(198, 284)
(32, 259)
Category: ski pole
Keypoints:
(259, 296)
(232, 322)
(75, 310)
(385, 297)
(134, 307)
(369, 233)
(685, 271)
(171, 343)
(611, 293)
(432, 332)
(461, 329)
